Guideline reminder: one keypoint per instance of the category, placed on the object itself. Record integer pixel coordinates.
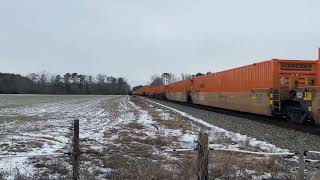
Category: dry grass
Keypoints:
(157, 142)
(230, 166)
(135, 161)
(176, 124)
(137, 147)
(135, 125)
(185, 168)
(129, 167)
(143, 169)
(222, 140)
(51, 165)
(26, 146)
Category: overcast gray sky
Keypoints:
(138, 38)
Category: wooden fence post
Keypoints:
(76, 150)
(203, 156)
(300, 175)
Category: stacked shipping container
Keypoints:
(246, 88)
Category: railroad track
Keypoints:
(280, 122)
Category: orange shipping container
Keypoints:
(160, 89)
(268, 74)
(179, 86)
(147, 90)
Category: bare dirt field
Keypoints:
(121, 137)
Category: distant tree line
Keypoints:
(136, 88)
(69, 83)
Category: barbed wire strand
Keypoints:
(171, 150)
(312, 161)
(34, 155)
(253, 152)
(313, 152)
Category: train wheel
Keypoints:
(298, 117)
(189, 100)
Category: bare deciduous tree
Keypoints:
(156, 80)
(186, 76)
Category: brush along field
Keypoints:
(121, 137)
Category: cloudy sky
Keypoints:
(138, 38)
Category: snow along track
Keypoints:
(234, 136)
(279, 136)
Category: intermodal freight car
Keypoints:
(287, 88)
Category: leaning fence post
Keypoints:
(203, 156)
(76, 150)
(300, 175)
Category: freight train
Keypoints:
(282, 88)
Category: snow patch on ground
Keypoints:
(234, 136)
(153, 129)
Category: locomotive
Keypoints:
(277, 87)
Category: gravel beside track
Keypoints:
(279, 136)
